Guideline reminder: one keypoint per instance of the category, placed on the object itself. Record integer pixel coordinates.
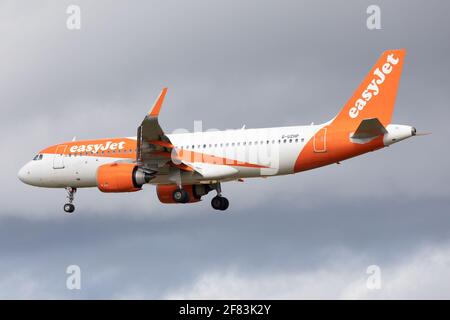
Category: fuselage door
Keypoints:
(320, 141)
(58, 159)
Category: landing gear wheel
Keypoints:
(220, 203)
(225, 204)
(180, 196)
(69, 208)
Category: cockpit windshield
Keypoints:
(38, 157)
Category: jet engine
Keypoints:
(121, 177)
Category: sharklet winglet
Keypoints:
(158, 103)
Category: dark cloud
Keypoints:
(160, 254)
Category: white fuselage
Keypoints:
(275, 149)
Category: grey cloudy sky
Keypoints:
(227, 63)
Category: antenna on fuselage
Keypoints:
(74, 138)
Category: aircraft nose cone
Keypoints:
(23, 174)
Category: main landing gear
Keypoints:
(180, 196)
(219, 202)
(69, 207)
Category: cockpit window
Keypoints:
(38, 157)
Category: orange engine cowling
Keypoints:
(121, 177)
(196, 192)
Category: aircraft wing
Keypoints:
(154, 148)
(155, 151)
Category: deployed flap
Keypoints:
(214, 171)
(369, 128)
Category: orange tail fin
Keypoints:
(375, 96)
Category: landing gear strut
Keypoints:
(219, 202)
(69, 207)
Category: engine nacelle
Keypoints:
(195, 191)
(121, 177)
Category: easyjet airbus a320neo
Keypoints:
(187, 166)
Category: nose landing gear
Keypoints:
(69, 207)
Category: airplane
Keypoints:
(185, 167)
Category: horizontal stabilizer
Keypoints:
(369, 128)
